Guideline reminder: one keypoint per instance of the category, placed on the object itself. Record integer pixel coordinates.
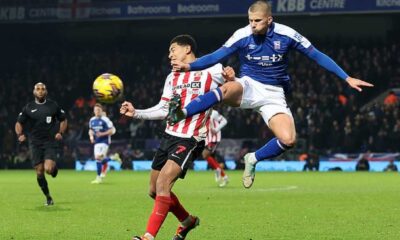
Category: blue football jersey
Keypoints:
(264, 57)
(101, 124)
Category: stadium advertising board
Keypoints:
(84, 10)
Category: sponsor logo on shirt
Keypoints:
(252, 46)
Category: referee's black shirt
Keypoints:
(41, 120)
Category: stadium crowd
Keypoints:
(329, 116)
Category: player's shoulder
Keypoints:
(105, 118)
(214, 113)
(243, 32)
(92, 119)
(50, 102)
(238, 35)
(217, 68)
(285, 30)
(170, 76)
(30, 105)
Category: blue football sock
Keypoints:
(203, 102)
(99, 165)
(272, 149)
(106, 160)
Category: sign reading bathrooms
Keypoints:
(83, 10)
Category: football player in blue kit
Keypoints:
(262, 47)
(100, 130)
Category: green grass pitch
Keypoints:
(278, 206)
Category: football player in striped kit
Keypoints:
(216, 123)
(181, 143)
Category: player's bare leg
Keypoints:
(282, 125)
(152, 185)
(50, 167)
(232, 93)
(41, 179)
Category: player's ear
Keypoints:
(270, 19)
(188, 49)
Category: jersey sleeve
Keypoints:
(108, 122)
(216, 74)
(60, 114)
(298, 42)
(167, 91)
(159, 111)
(23, 116)
(91, 123)
(234, 43)
(238, 39)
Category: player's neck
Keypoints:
(40, 101)
(190, 59)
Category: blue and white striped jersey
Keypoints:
(101, 124)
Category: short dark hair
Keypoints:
(184, 40)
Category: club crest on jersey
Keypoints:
(197, 76)
(277, 45)
(48, 119)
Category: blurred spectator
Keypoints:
(391, 99)
(362, 164)
(391, 167)
(311, 159)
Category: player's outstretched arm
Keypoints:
(357, 83)
(330, 65)
(157, 112)
(203, 62)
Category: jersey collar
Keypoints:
(270, 31)
(40, 102)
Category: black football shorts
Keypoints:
(183, 151)
(43, 151)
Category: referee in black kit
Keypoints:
(40, 119)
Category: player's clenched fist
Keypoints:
(127, 109)
(228, 74)
(178, 66)
(21, 138)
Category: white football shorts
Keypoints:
(100, 150)
(268, 100)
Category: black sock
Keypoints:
(41, 179)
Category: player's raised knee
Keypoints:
(288, 141)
